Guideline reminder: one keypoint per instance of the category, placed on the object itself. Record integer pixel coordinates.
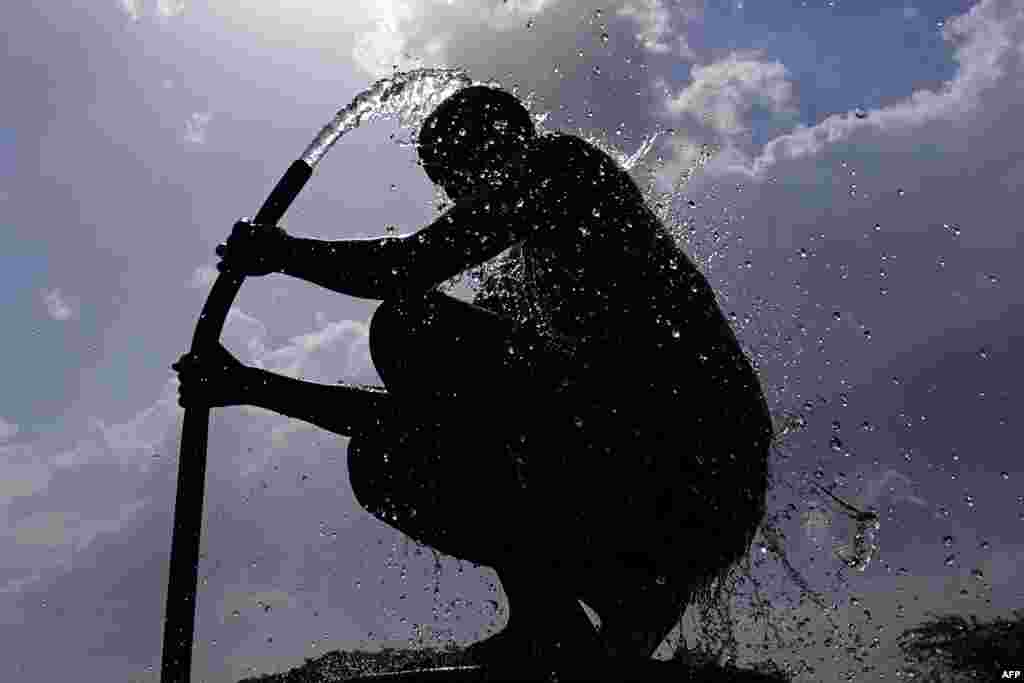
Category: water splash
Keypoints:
(626, 161)
(863, 546)
(409, 96)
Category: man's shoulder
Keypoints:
(569, 159)
(565, 148)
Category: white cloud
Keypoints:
(195, 127)
(410, 33)
(725, 92)
(59, 306)
(337, 350)
(378, 35)
(655, 22)
(985, 39)
(55, 529)
(132, 8)
(170, 8)
(8, 430)
(164, 8)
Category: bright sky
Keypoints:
(859, 219)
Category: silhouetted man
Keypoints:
(588, 426)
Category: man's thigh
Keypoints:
(437, 346)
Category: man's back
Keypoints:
(608, 272)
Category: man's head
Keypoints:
(474, 138)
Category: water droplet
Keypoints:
(860, 113)
(836, 315)
(969, 500)
(596, 70)
(950, 560)
(878, 227)
(985, 545)
(578, 421)
(947, 541)
(1005, 476)
(836, 444)
(529, 24)
(604, 38)
(803, 253)
(900, 192)
(993, 279)
(236, 613)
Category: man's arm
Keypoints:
(364, 268)
(466, 235)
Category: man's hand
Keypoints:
(214, 378)
(253, 250)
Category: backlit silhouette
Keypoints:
(588, 426)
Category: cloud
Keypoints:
(133, 8)
(723, 94)
(170, 8)
(195, 127)
(8, 430)
(336, 350)
(164, 8)
(58, 306)
(655, 23)
(985, 39)
(47, 495)
(409, 33)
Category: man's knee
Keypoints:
(397, 327)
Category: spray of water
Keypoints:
(408, 96)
